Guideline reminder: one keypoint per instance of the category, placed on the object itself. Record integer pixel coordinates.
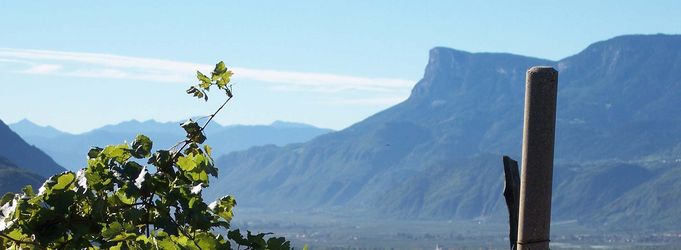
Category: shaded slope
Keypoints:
(655, 203)
(17, 151)
(13, 178)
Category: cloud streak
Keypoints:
(42, 69)
(365, 101)
(95, 65)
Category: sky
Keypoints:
(79, 65)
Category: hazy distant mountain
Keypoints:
(27, 128)
(285, 124)
(144, 127)
(239, 137)
(438, 154)
(70, 149)
(26, 156)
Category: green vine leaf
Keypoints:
(141, 146)
(205, 81)
(194, 132)
(223, 207)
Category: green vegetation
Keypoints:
(116, 202)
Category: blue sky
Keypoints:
(77, 65)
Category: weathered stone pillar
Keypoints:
(537, 158)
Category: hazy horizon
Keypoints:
(152, 120)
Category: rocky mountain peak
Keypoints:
(454, 73)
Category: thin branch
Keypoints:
(216, 112)
(186, 142)
(146, 205)
(184, 232)
(178, 144)
(150, 204)
(127, 205)
(19, 242)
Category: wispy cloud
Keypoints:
(42, 69)
(78, 64)
(365, 101)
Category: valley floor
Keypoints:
(324, 230)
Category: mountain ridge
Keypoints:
(69, 149)
(26, 127)
(468, 108)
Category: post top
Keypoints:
(542, 70)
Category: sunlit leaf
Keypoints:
(220, 68)
(208, 149)
(124, 198)
(119, 153)
(186, 163)
(205, 81)
(28, 191)
(223, 207)
(64, 180)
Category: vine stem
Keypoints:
(210, 118)
(147, 204)
(185, 232)
(19, 242)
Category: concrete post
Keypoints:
(537, 158)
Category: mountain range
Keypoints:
(69, 149)
(438, 153)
